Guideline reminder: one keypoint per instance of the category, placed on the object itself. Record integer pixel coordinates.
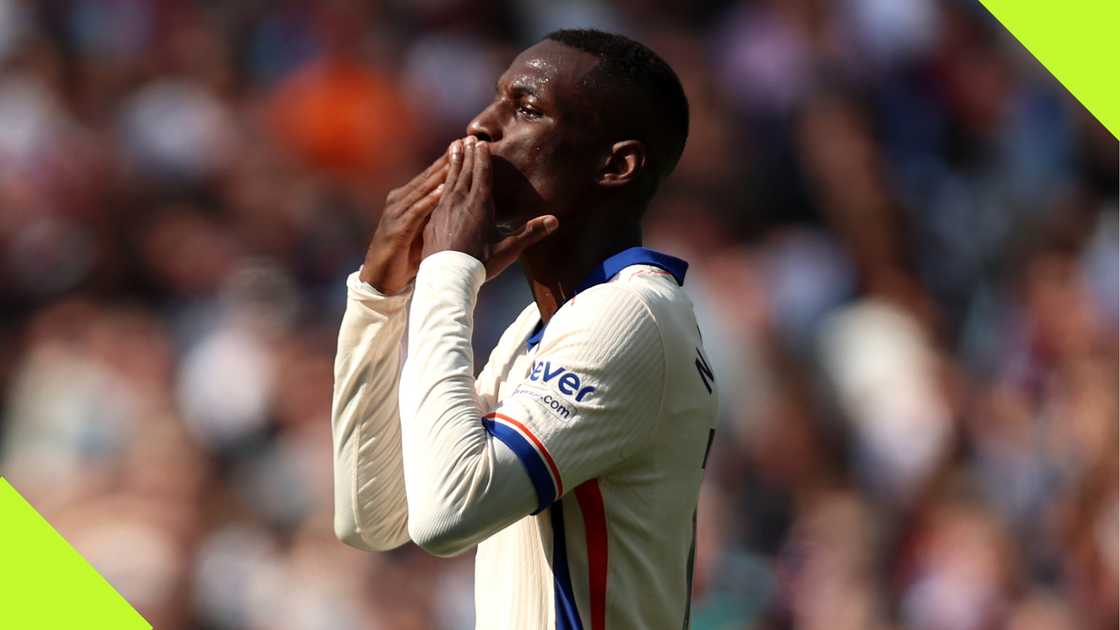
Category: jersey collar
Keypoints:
(610, 267)
(635, 256)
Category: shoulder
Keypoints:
(606, 305)
(610, 323)
(658, 288)
(516, 333)
(526, 319)
(647, 293)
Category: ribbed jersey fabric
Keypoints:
(573, 462)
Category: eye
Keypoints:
(528, 111)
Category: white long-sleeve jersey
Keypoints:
(573, 461)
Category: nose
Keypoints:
(485, 126)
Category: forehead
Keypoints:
(550, 68)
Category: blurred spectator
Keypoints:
(340, 112)
(176, 129)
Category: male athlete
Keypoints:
(573, 462)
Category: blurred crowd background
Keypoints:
(903, 238)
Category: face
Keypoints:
(541, 135)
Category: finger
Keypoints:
(480, 178)
(416, 249)
(418, 213)
(463, 184)
(434, 179)
(419, 181)
(434, 167)
(510, 248)
(438, 164)
(454, 165)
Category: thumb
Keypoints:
(509, 248)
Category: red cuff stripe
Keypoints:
(595, 531)
(540, 447)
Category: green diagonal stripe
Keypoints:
(1077, 41)
(45, 584)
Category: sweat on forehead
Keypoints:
(566, 78)
(635, 89)
(551, 65)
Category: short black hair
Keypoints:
(626, 66)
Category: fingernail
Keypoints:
(550, 223)
(482, 145)
(470, 140)
(456, 148)
(438, 188)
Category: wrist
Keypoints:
(360, 289)
(376, 276)
(380, 287)
(377, 270)
(370, 275)
(374, 280)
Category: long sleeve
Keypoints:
(371, 511)
(585, 406)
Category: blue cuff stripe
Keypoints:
(530, 459)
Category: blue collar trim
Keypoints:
(610, 267)
(538, 334)
(635, 256)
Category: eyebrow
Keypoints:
(518, 89)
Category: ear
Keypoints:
(624, 163)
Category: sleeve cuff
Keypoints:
(451, 266)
